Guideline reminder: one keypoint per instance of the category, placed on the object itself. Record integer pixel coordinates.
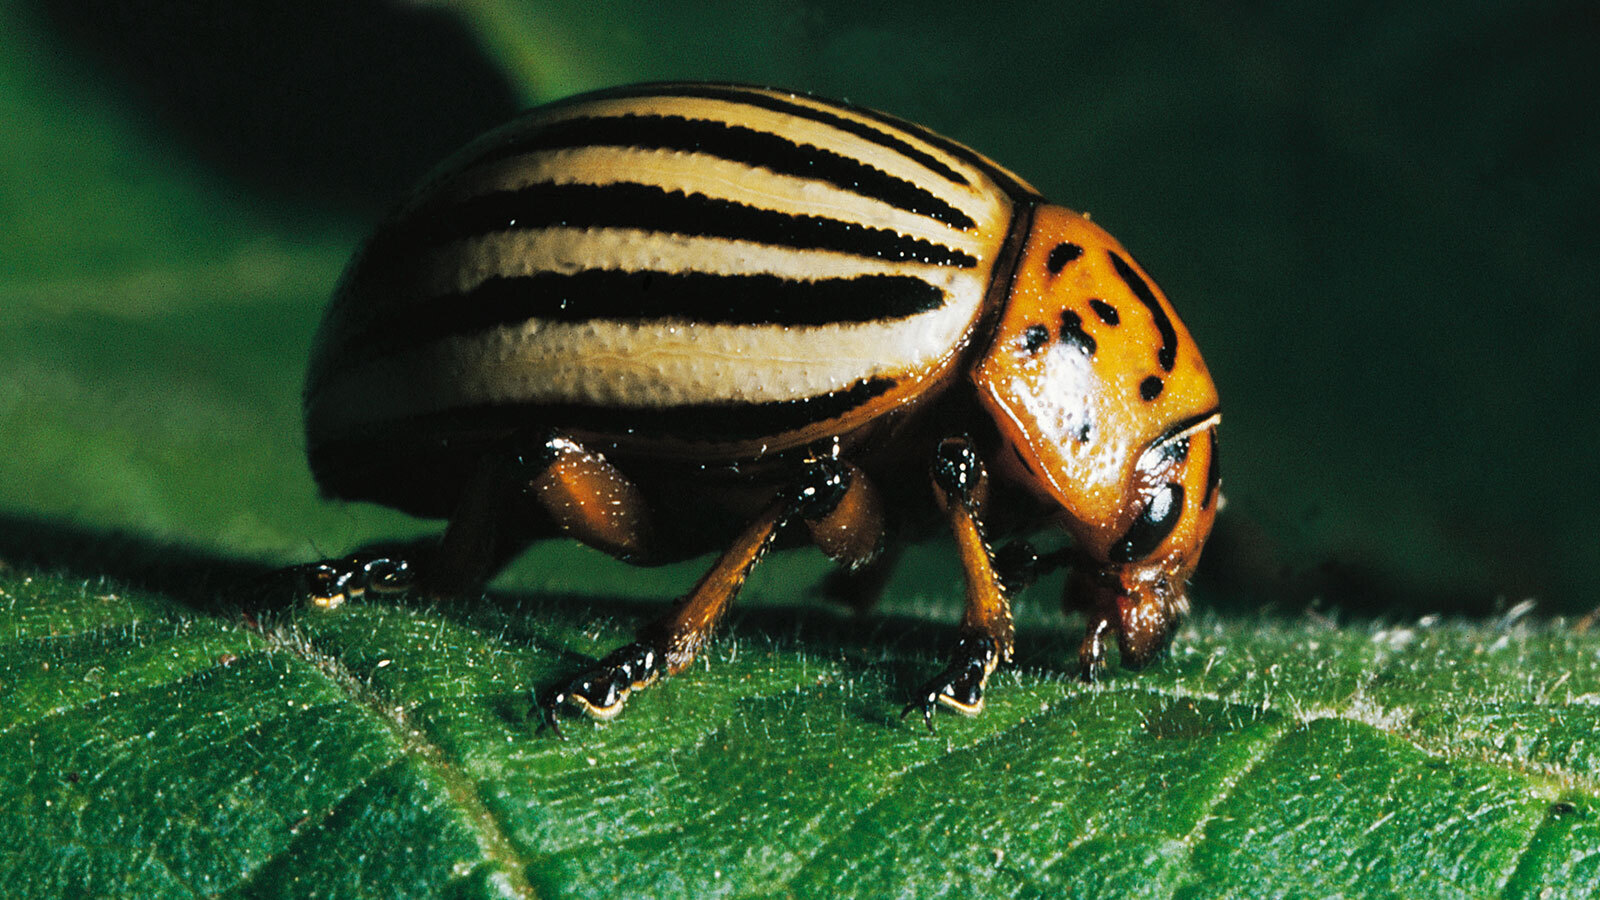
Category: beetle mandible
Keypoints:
(672, 318)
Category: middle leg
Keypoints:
(987, 634)
(839, 506)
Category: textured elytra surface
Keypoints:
(386, 750)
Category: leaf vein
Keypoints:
(461, 794)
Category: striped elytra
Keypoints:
(644, 317)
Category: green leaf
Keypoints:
(383, 750)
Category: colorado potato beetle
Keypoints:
(672, 318)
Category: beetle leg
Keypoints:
(472, 547)
(331, 582)
(852, 536)
(860, 588)
(1134, 605)
(669, 644)
(584, 496)
(1018, 565)
(851, 533)
(587, 498)
(986, 630)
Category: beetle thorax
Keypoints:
(1088, 371)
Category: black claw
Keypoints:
(547, 713)
(926, 704)
(960, 685)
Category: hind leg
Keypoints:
(581, 494)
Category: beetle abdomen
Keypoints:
(709, 270)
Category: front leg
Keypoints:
(987, 634)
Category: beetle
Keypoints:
(667, 319)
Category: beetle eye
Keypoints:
(1155, 522)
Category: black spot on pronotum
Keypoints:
(1106, 312)
(1168, 354)
(1150, 388)
(1159, 516)
(1060, 255)
(1072, 333)
(1034, 337)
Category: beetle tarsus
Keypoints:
(332, 582)
(600, 692)
(960, 686)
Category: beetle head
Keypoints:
(1110, 416)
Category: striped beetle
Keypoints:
(671, 318)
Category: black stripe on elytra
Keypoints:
(749, 421)
(1072, 333)
(1060, 255)
(1014, 189)
(458, 438)
(696, 297)
(1168, 354)
(735, 143)
(777, 104)
(650, 208)
(1106, 312)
